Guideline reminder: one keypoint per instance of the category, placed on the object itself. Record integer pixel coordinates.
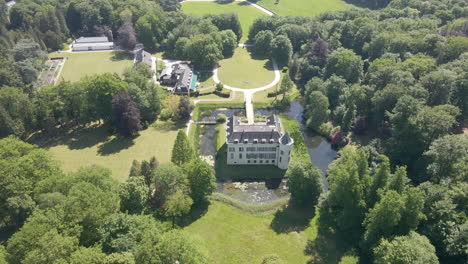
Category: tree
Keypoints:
(204, 50)
(202, 180)
(447, 156)
(91, 255)
(134, 195)
(127, 36)
(169, 5)
(319, 52)
(182, 152)
(120, 258)
(151, 28)
(286, 85)
(135, 170)
(262, 42)
(28, 49)
(16, 113)
(297, 34)
(440, 85)
(349, 182)
(179, 246)
(317, 110)
(281, 50)
(168, 179)
(228, 21)
(344, 63)
(229, 40)
(22, 167)
(409, 249)
(3, 253)
(177, 205)
(379, 180)
(304, 184)
(125, 233)
(184, 110)
(126, 114)
(52, 247)
(394, 214)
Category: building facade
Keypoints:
(260, 143)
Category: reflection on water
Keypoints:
(320, 152)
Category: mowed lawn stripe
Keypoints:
(82, 64)
(247, 13)
(243, 71)
(302, 7)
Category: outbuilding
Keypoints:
(92, 43)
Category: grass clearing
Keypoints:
(94, 145)
(82, 64)
(247, 13)
(244, 71)
(233, 236)
(302, 7)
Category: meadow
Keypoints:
(302, 7)
(94, 145)
(244, 71)
(82, 64)
(247, 14)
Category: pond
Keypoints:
(320, 152)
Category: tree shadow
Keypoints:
(166, 126)
(116, 144)
(329, 246)
(121, 55)
(196, 212)
(73, 137)
(291, 219)
(224, 2)
(243, 3)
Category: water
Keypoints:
(320, 152)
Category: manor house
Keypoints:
(261, 143)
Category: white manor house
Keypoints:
(261, 143)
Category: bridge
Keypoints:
(207, 121)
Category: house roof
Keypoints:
(92, 40)
(286, 139)
(269, 131)
(142, 56)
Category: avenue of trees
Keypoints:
(87, 216)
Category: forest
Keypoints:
(388, 86)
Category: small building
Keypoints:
(181, 76)
(92, 43)
(141, 56)
(260, 143)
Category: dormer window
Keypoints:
(236, 141)
(255, 141)
(246, 141)
(272, 140)
(263, 141)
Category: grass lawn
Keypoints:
(247, 14)
(302, 7)
(243, 71)
(95, 145)
(81, 64)
(232, 236)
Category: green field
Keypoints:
(302, 7)
(247, 14)
(81, 64)
(94, 145)
(243, 71)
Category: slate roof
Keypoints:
(286, 139)
(142, 56)
(92, 40)
(267, 132)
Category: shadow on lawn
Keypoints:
(291, 219)
(121, 55)
(329, 246)
(196, 212)
(115, 145)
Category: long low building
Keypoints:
(260, 143)
(92, 43)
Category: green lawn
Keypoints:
(247, 14)
(81, 64)
(95, 145)
(302, 7)
(243, 71)
(232, 236)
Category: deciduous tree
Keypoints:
(182, 152)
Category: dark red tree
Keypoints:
(126, 114)
(127, 37)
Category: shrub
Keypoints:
(166, 114)
(221, 118)
(219, 87)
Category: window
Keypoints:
(248, 161)
(266, 149)
(241, 149)
(231, 149)
(240, 155)
(232, 155)
(282, 152)
(267, 161)
(272, 161)
(251, 149)
(261, 161)
(281, 158)
(255, 161)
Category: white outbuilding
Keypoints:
(92, 43)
